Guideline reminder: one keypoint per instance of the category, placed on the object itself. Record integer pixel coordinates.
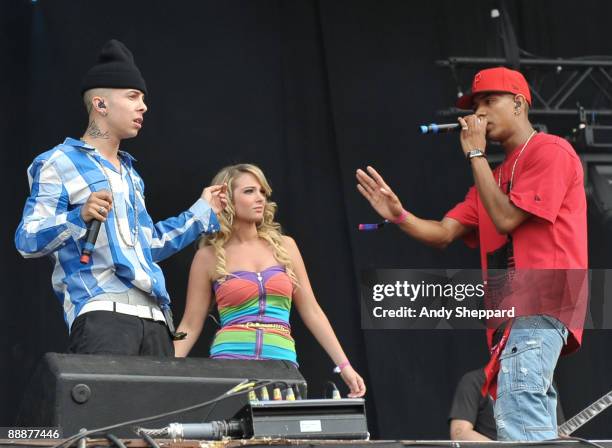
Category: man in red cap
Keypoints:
(528, 216)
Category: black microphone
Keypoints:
(90, 240)
(434, 128)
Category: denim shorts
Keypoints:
(525, 408)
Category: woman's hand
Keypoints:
(353, 381)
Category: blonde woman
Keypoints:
(255, 274)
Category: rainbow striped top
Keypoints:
(254, 308)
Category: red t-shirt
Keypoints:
(550, 247)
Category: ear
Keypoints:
(519, 101)
(519, 104)
(99, 104)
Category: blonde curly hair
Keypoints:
(267, 229)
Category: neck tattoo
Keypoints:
(94, 131)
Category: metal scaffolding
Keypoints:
(554, 83)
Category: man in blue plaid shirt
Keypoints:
(118, 302)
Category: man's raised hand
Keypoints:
(380, 196)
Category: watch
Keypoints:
(474, 153)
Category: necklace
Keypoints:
(134, 233)
(514, 165)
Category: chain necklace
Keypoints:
(514, 165)
(134, 233)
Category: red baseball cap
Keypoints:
(498, 79)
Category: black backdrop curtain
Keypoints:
(308, 90)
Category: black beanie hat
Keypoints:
(115, 69)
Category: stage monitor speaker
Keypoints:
(600, 214)
(71, 392)
(598, 136)
(600, 180)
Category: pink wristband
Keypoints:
(401, 218)
(341, 366)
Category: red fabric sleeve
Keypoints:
(466, 213)
(541, 180)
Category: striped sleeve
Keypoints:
(47, 220)
(173, 234)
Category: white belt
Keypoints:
(142, 311)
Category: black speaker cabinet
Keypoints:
(90, 391)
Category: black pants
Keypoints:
(110, 333)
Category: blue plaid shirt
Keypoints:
(61, 180)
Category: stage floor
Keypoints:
(279, 443)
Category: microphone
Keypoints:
(215, 430)
(90, 240)
(434, 128)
